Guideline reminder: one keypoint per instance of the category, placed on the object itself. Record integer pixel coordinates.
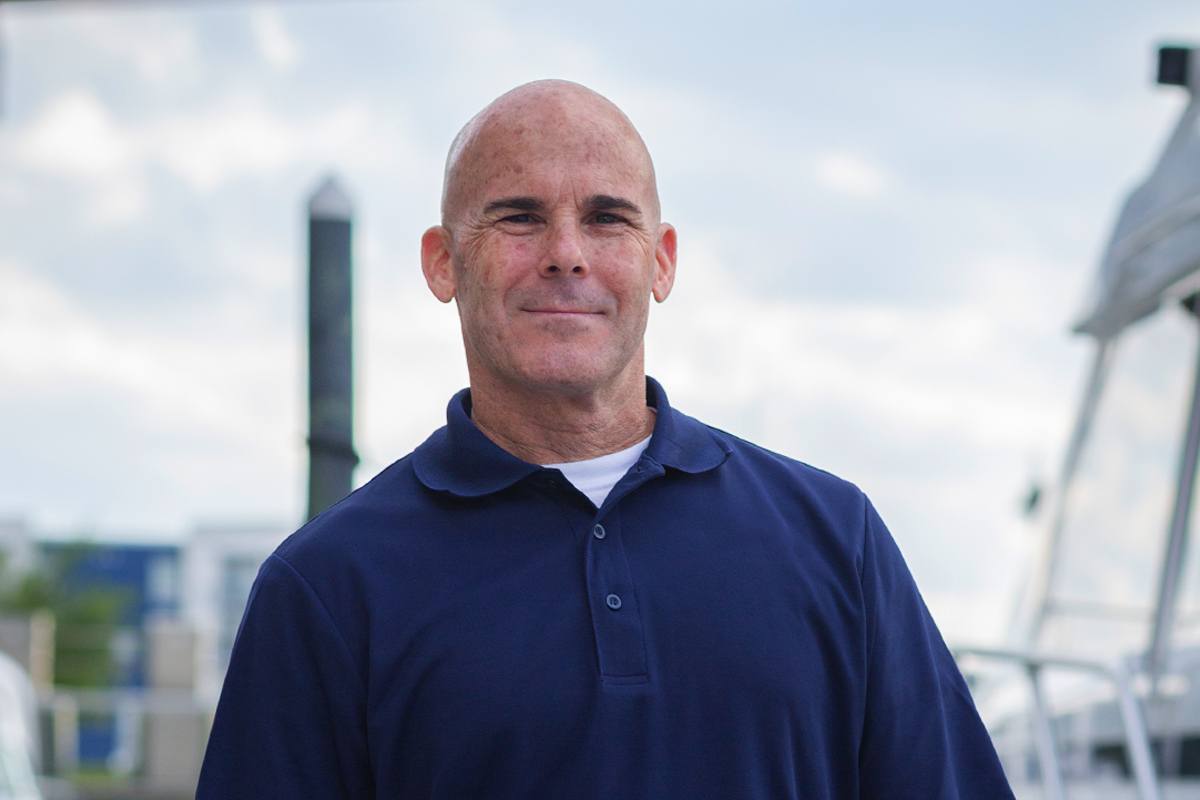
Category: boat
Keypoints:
(1096, 693)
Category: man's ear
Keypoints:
(664, 262)
(437, 263)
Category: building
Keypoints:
(180, 604)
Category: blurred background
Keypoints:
(889, 218)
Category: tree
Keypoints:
(86, 616)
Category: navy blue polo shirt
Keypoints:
(730, 623)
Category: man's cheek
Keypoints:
(522, 248)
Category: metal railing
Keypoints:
(1137, 739)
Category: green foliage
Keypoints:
(86, 617)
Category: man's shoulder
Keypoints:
(355, 525)
(781, 471)
(783, 496)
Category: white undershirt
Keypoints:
(596, 477)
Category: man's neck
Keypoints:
(549, 428)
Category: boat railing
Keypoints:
(1119, 675)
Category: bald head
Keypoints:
(547, 119)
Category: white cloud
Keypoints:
(260, 267)
(47, 340)
(158, 45)
(147, 426)
(210, 146)
(693, 130)
(245, 135)
(28, 307)
(514, 48)
(850, 174)
(275, 44)
(995, 355)
(122, 200)
(74, 135)
(161, 53)
(76, 138)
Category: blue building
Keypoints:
(144, 580)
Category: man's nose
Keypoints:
(564, 251)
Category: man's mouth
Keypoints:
(577, 312)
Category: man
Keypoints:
(573, 590)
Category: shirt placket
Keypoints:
(612, 596)
(617, 618)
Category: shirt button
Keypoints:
(598, 531)
(614, 602)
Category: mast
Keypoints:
(1177, 538)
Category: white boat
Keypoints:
(1106, 643)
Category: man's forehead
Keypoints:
(548, 166)
(555, 137)
(549, 108)
(549, 130)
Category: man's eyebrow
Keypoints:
(514, 204)
(602, 202)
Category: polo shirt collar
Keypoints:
(460, 459)
(679, 441)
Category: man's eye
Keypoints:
(604, 218)
(520, 219)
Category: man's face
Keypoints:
(554, 250)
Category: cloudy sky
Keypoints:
(888, 218)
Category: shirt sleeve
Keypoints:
(291, 719)
(922, 737)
